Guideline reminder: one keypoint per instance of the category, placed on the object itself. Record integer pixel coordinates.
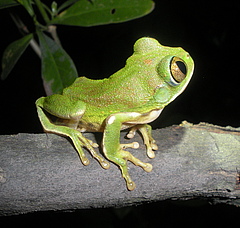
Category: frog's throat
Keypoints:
(147, 117)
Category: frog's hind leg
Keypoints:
(77, 138)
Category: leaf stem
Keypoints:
(42, 11)
(52, 29)
(24, 31)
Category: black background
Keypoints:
(208, 30)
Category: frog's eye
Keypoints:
(178, 70)
(172, 69)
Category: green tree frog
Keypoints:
(129, 99)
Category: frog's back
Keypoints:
(113, 91)
(83, 87)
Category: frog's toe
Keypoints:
(150, 149)
(131, 185)
(133, 145)
(154, 146)
(150, 152)
(104, 164)
(148, 167)
(89, 144)
(84, 160)
(93, 144)
(132, 132)
(129, 157)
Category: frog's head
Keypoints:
(172, 65)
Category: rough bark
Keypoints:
(41, 172)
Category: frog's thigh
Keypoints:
(77, 138)
(63, 107)
(62, 130)
(112, 148)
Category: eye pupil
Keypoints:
(181, 67)
(178, 69)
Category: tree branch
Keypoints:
(41, 172)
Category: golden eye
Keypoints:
(178, 69)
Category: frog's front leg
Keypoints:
(62, 107)
(112, 148)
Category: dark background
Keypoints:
(208, 30)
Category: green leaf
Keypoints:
(7, 3)
(98, 12)
(28, 6)
(66, 4)
(12, 53)
(58, 69)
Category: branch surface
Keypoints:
(40, 172)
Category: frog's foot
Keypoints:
(127, 156)
(146, 131)
(121, 158)
(80, 141)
